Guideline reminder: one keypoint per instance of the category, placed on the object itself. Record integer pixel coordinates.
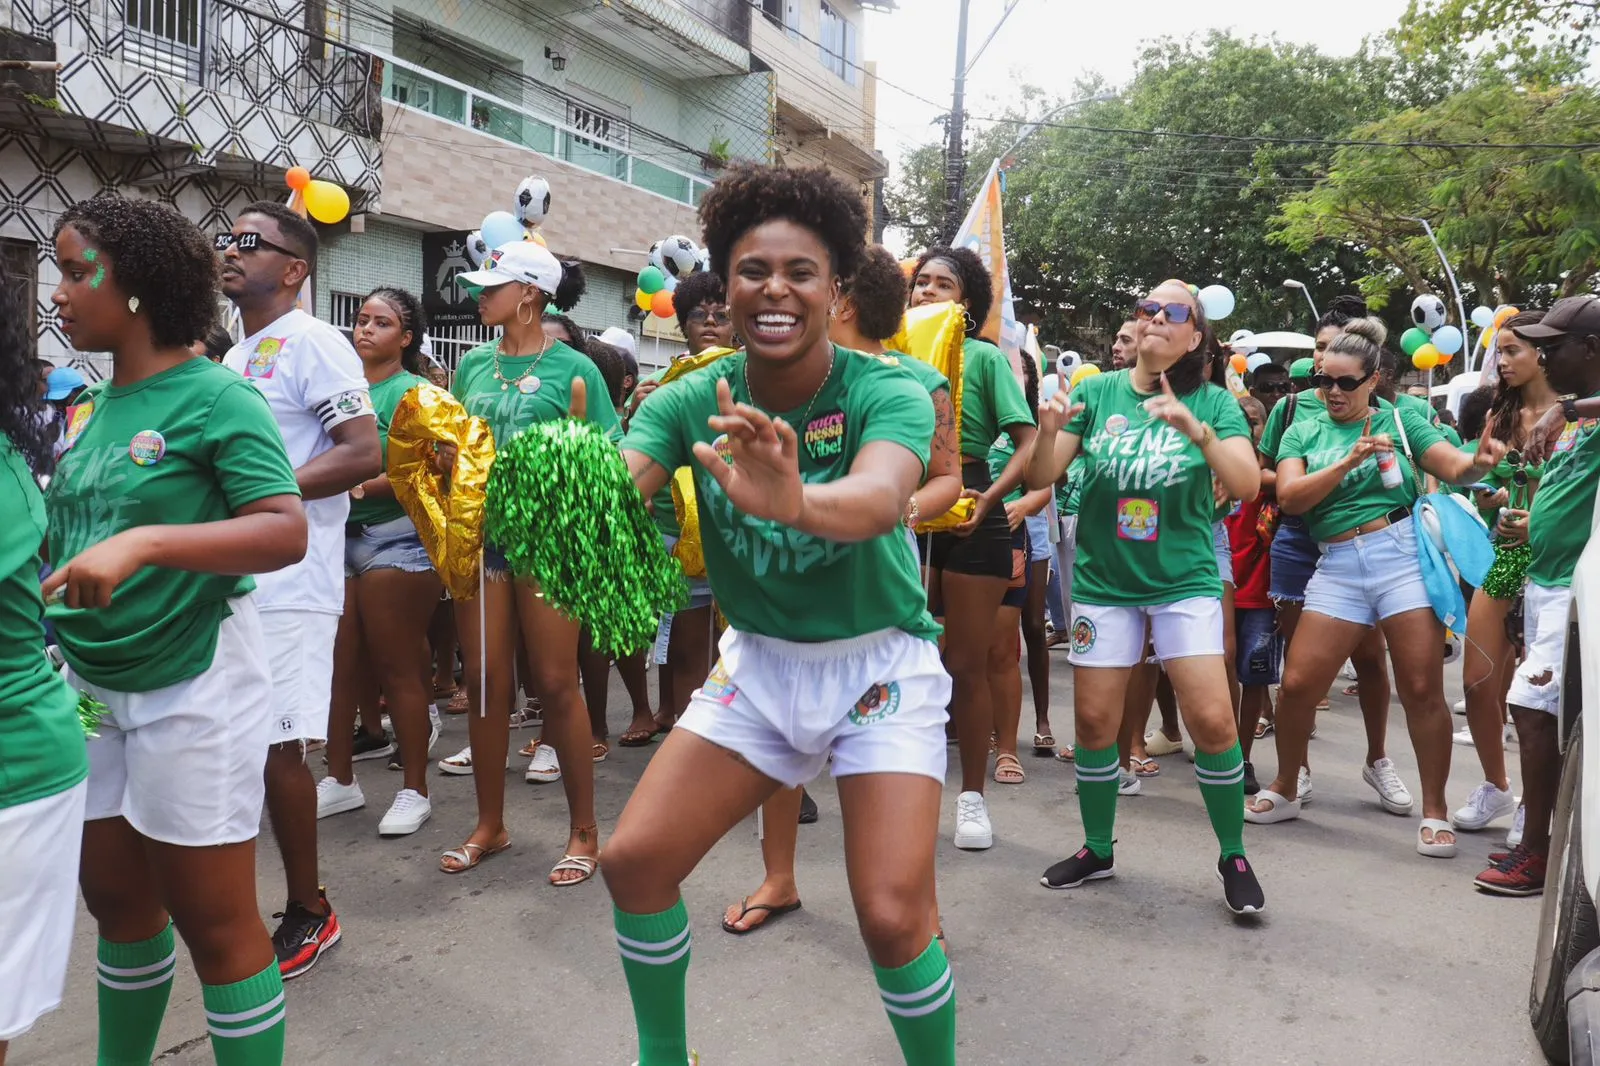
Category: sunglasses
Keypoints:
(1343, 384)
(1177, 314)
(701, 314)
(1280, 385)
(250, 241)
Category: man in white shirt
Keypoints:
(312, 379)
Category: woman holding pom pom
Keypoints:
(520, 379)
(805, 456)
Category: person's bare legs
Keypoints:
(1255, 702)
(1415, 640)
(291, 803)
(970, 605)
(1037, 645)
(442, 641)
(891, 829)
(780, 832)
(395, 609)
(488, 723)
(349, 667)
(1138, 697)
(594, 669)
(1539, 742)
(1005, 689)
(1486, 665)
(691, 653)
(632, 670)
(1372, 691)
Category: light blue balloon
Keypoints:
(1217, 301)
(1483, 317)
(1257, 361)
(500, 227)
(672, 283)
(1448, 339)
(1049, 387)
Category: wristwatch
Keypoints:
(359, 492)
(1569, 407)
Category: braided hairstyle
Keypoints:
(20, 406)
(408, 309)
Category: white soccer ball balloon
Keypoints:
(477, 249)
(533, 200)
(1428, 312)
(676, 257)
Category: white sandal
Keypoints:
(584, 864)
(460, 764)
(1283, 809)
(1436, 850)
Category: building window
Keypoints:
(837, 47)
(598, 127)
(773, 9)
(164, 36)
(19, 270)
(343, 307)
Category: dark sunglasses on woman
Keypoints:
(1343, 384)
(1177, 314)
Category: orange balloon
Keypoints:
(1445, 357)
(661, 304)
(1239, 362)
(297, 178)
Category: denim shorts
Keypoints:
(1369, 578)
(699, 587)
(1039, 546)
(1224, 550)
(391, 545)
(1260, 655)
(1294, 559)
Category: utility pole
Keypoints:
(955, 158)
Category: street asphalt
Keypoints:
(1368, 952)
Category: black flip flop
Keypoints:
(773, 913)
(642, 738)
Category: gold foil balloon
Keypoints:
(688, 364)
(935, 333)
(447, 510)
(688, 551)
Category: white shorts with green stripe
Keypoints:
(38, 904)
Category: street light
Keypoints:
(1450, 276)
(1290, 283)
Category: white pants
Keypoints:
(39, 846)
(1544, 635)
(876, 703)
(183, 763)
(300, 657)
(1115, 636)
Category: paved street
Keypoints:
(1368, 951)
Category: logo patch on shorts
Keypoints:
(1083, 634)
(1138, 519)
(719, 687)
(880, 701)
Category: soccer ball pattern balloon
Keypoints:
(477, 249)
(676, 257)
(533, 200)
(1428, 312)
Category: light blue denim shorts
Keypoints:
(1039, 546)
(1369, 578)
(391, 545)
(1224, 549)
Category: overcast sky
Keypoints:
(1051, 43)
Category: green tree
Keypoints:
(1523, 34)
(1519, 225)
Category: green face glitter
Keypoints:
(99, 270)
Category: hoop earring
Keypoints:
(528, 305)
(967, 317)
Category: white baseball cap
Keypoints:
(618, 337)
(526, 262)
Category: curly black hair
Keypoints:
(977, 286)
(1341, 312)
(879, 292)
(611, 363)
(217, 340)
(1030, 381)
(20, 405)
(573, 286)
(156, 255)
(298, 234)
(749, 194)
(575, 334)
(408, 309)
(697, 290)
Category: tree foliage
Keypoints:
(1525, 35)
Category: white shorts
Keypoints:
(38, 904)
(299, 648)
(1544, 635)
(1114, 637)
(183, 763)
(876, 703)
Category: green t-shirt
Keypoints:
(775, 581)
(189, 445)
(1422, 407)
(1563, 508)
(1000, 453)
(42, 750)
(386, 396)
(543, 396)
(1307, 403)
(991, 398)
(1144, 512)
(1070, 489)
(1360, 496)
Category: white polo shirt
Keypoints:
(313, 381)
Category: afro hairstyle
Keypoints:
(697, 290)
(878, 290)
(748, 195)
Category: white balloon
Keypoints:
(1217, 300)
(1428, 311)
(1049, 387)
(1257, 361)
(1069, 362)
(1482, 317)
(1448, 339)
(1243, 341)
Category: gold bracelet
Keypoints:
(912, 512)
(1207, 435)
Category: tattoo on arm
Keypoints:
(945, 446)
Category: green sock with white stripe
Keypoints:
(921, 1000)
(135, 982)
(246, 1019)
(655, 960)
(1221, 779)
(1099, 776)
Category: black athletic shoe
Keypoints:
(808, 809)
(367, 746)
(1251, 785)
(1070, 873)
(1240, 888)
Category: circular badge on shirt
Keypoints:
(528, 385)
(147, 447)
(1117, 425)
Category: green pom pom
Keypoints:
(1504, 579)
(90, 711)
(563, 508)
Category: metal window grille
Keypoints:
(164, 36)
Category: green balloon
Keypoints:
(651, 280)
(1412, 339)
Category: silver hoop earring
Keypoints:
(967, 316)
(133, 305)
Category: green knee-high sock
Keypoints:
(921, 1000)
(655, 959)
(1222, 785)
(1099, 776)
(246, 1019)
(135, 981)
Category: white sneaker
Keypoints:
(1393, 796)
(435, 727)
(1459, 706)
(1129, 784)
(1514, 835)
(1349, 670)
(1302, 786)
(1463, 737)
(406, 815)
(544, 768)
(1482, 807)
(334, 798)
(459, 764)
(973, 831)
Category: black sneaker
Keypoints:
(1251, 785)
(302, 937)
(1070, 873)
(1240, 888)
(367, 746)
(808, 809)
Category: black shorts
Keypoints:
(987, 551)
(1018, 597)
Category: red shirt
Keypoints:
(1252, 560)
